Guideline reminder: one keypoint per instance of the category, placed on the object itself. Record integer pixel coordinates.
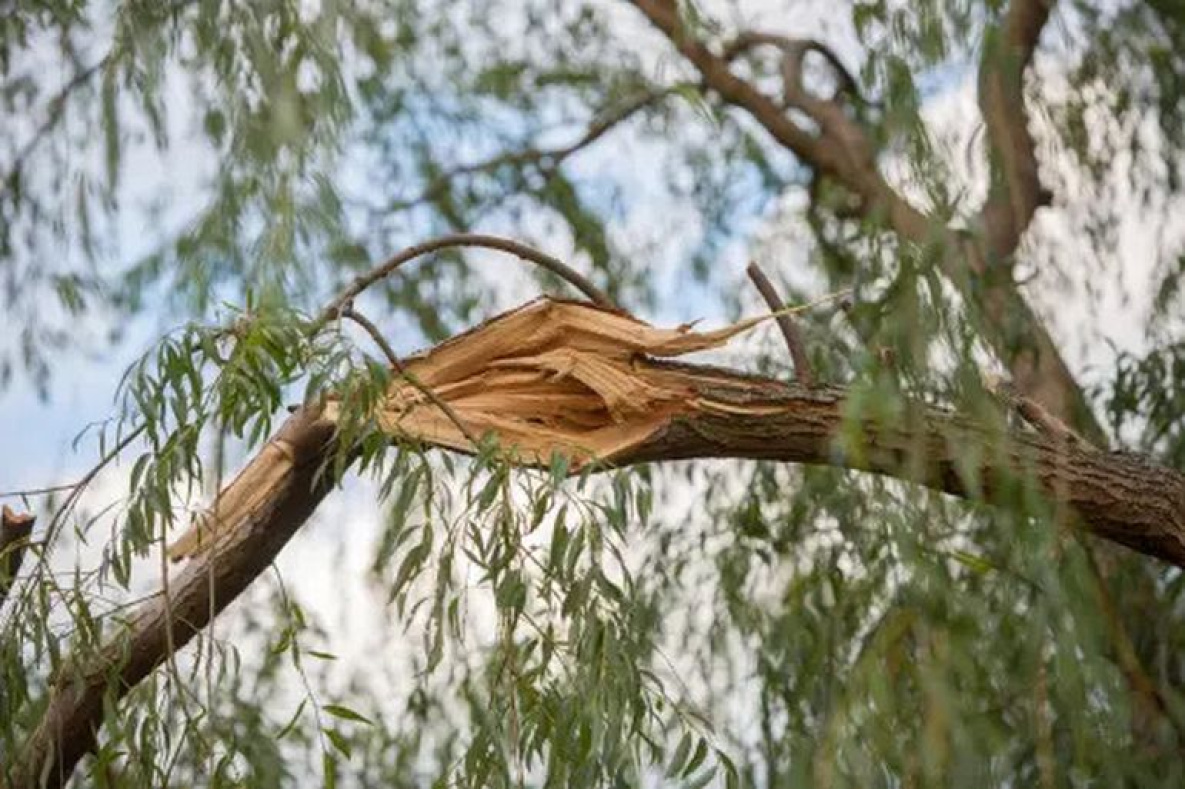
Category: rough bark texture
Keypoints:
(1120, 497)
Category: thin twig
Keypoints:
(15, 529)
(84, 480)
(350, 313)
(790, 332)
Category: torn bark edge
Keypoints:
(15, 529)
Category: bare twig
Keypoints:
(349, 313)
(786, 322)
(15, 529)
(81, 482)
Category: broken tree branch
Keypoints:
(69, 726)
(15, 529)
(580, 379)
(787, 324)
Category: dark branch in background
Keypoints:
(56, 107)
(1016, 192)
(15, 529)
(546, 160)
(787, 324)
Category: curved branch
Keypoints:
(385, 269)
(1016, 192)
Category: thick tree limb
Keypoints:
(1016, 191)
(678, 411)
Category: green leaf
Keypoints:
(345, 713)
(339, 741)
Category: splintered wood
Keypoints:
(552, 376)
(549, 377)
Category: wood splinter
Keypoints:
(551, 377)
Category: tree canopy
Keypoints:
(652, 392)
